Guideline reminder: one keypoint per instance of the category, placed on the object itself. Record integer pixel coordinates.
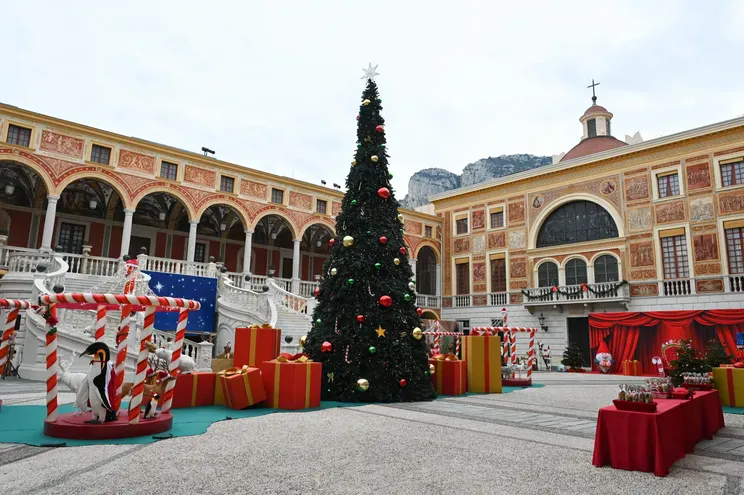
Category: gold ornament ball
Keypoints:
(303, 340)
(396, 261)
(366, 102)
(432, 369)
(374, 158)
(348, 241)
(400, 217)
(353, 162)
(334, 271)
(417, 333)
(362, 385)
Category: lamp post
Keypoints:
(541, 319)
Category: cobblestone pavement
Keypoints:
(534, 440)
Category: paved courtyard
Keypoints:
(532, 441)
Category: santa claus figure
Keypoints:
(604, 358)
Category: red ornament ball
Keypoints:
(555, 289)
(402, 250)
(316, 292)
(403, 382)
(360, 318)
(383, 192)
(357, 117)
(380, 128)
(383, 240)
(332, 242)
(326, 346)
(584, 287)
(419, 311)
(386, 301)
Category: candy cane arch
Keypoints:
(100, 322)
(183, 316)
(510, 334)
(121, 351)
(151, 303)
(10, 321)
(438, 334)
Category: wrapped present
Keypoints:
(292, 382)
(254, 345)
(631, 368)
(221, 364)
(241, 387)
(194, 389)
(449, 374)
(482, 355)
(730, 385)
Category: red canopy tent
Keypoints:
(640, 335)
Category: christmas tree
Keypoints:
(572, 357)
(366, 327)
(715, 354)
(688, 361)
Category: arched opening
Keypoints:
(606, 269)
(576, 272)
(22, 195)
(577, 221)
(547, 274)
(426, 271)
(314, 251)
(160, 224)
(273, 246)
(222, 230)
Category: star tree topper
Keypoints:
(369, 73)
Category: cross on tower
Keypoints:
(594, 96)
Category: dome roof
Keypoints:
(592, 145)
(595, 109)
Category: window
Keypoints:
(576, 272)
(547, 274)
(320, 206)
(734, 242)
(71, 237)
(497, 322)
(463, 324)
(498, 275)
(200, 252)
(427, 231)
(607, 121)
(732, 173)
(591, 127)
(168, 170)
(461, 226)
(227, 184)
(19, 135)
(674, 254)
(463, 278)
(100, 154)
(606, 269)
(277, 196)
(497, 219)
(578, 221)
(668, 185)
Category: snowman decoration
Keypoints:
(604, 358)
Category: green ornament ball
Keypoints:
(378, 266)
(407, 297)
(359, 145)
(372, 349)
(390, 176)
(350, 281)
(318, 321)
(426, 373)
(401, 231)
(353, 202)
(382, 146)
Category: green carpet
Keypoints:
(24, 423)
(733, 410)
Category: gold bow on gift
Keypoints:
(293, 358)
(445, 357)
(265, 325)
(235, 371)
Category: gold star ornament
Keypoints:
(380, 331)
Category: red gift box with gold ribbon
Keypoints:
(241, 387)
(194, 389)
(631, 368)
(450, 374)
(254, 345)
(730, 385)
(292, 382)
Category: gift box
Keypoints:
(730, 385)
(241, 387)
(292, 382)
(631, 368)
(222, 364)
(194, 389)
(449, 376)
(254, 345)
(482, 355)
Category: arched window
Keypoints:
(547, 274)
(606, 269)
(426, 271)
(578, 221)
(576, 272)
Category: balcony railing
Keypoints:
(678, 287)
(427, 301)
(609, 291)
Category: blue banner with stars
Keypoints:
(202, 289)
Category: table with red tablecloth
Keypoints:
(652, 442)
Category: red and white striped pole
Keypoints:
(51, 366)
(10, 323)
(138, 387)
(183, 317)
(531, 354)
(121, 352)
(100, 322)
(513, 339)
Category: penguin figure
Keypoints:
(101, 383)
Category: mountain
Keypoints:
(436, 180)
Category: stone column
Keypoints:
(438, 280)
(247, 252)
(126, 232)
(191, 251)
(296, 267)
(51, 214)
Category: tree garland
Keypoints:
(51, 321)
(584, 288)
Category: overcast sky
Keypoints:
(275, 85)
